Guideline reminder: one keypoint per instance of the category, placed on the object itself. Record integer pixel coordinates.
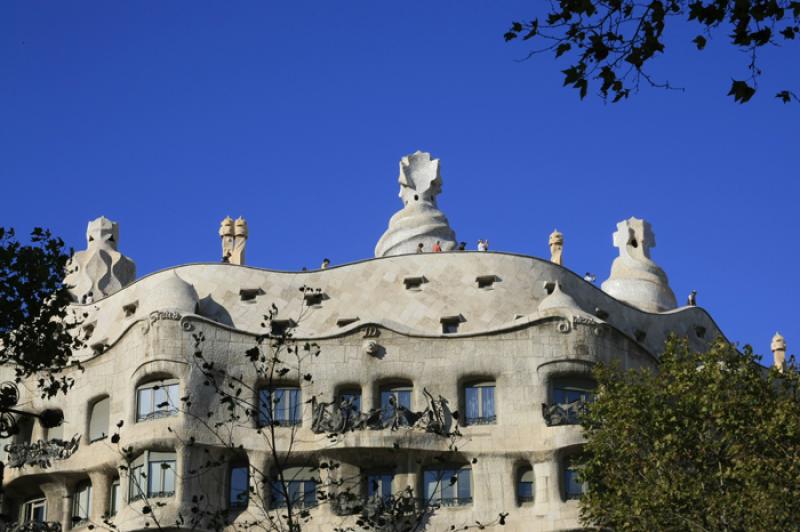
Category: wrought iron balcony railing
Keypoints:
(35, 526)
(41, 452)
(481, 420)
(563, 413)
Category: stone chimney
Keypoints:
(778, 347)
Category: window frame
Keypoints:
(569, 472)
(482, 418)
(83, 489)
(114, 497)
(144, 463)
(240, 503)
(308, 499)
(379, 477)
(92, 411)
(522, 472)
(152, 387)
(443, 485)
(29, 507)
(393, 389)
(293, 413)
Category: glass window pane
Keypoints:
(310, 490)
(473, 408)
(464, 485)
(294, 404)
(172, 396)
(144, 403)
(264, 407)
(404, 398)
(115, 494)
(240, 481)
(487, 401)
(154, 478)
(354, 397)
(431, 483)
(98, 424)
(447, 482)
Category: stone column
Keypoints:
(101, 495)
(58, 503)
(546, 485)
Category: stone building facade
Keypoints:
(506, 340)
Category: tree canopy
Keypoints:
(35, 330)
(711, 441)
(613, 42)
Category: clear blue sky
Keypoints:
(166, 116)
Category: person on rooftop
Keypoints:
(419, 248)
(437, 247)
(325, 264)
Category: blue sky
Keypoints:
(166, 116)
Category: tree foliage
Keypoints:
(35, 328)
(612, 42)
(709, 442)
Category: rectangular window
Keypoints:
(301, 488)
(114, 499)
(448, 487)
(98, 422)
(157, 400)
(81, 504)
(239, 486)
(525, 485)
(479, 399)
(281, 406)
(34, 511)
(379, 485)
(354, 396)
(573, 488)
(570, 390)
(152, 475)
(399, 395)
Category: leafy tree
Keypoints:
(711, 441)
(612, 42)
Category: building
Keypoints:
(406, 340)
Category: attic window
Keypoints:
(640, 335)
(486, 281)
(250, 294)
(281, 327)
(450, 324)
(700, 331)
(549, 286)
(414, 283)
(344, 322)
(314, 299)
(130, 309)
(600, 313)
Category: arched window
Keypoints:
(157, 399)
(239, 486)
(299, 485)
(280, 405)
(394, 396)
(447, 486)
(479, 403)
(152, 475)
(98, 420)
(525, 485)
(82, 503)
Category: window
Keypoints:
(25, 434)
(300, 485)
(98, 421)
(152, 475)
(448, 486)
(156, 400)
(568, 390)
(568, 398)
(379, 485)
(34, 511)
(573, 488)
(525, 485)
(114, 498)
(400, 395)
(479, 400)
(280, 406)
(239, 492)
(450, 325)
(82, 503)
(486, 281)
(354, 396)
(414, 283)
